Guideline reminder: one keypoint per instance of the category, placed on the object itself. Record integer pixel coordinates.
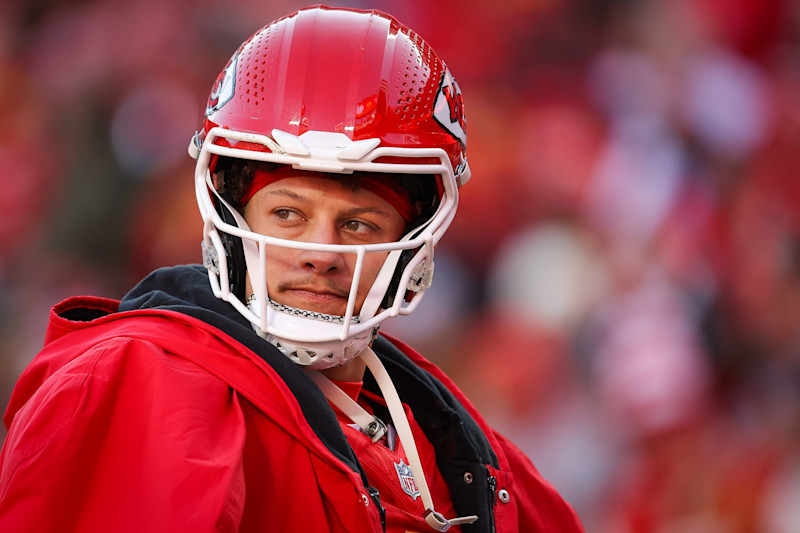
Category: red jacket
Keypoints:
(155, 420)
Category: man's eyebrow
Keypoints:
(354, 211)
(367, 210)
(288, 193)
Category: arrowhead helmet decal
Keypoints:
(449, 107)
(223, 88)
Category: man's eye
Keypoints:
(356, 226)
(284, 214)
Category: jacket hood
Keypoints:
(184, 289)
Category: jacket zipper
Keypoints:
(376, 499)
(492, 481)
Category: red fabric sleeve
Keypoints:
(120, 440)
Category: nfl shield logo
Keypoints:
(406, 477)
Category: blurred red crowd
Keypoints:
(620, 291)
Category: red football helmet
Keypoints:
(338, 91)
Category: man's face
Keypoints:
(320, 210)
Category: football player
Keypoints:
(255, 392)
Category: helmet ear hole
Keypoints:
(234, 253)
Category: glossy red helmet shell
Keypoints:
(360, 73)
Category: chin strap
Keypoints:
(366, 421)
(370, 425)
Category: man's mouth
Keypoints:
(322, 299)
(317, 295)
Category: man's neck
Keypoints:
(351, 371)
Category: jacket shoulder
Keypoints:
(121, 413)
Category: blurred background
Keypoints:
(620, 291)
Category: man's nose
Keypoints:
(322, 262)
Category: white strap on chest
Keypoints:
(359, 416)
(370, 425)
